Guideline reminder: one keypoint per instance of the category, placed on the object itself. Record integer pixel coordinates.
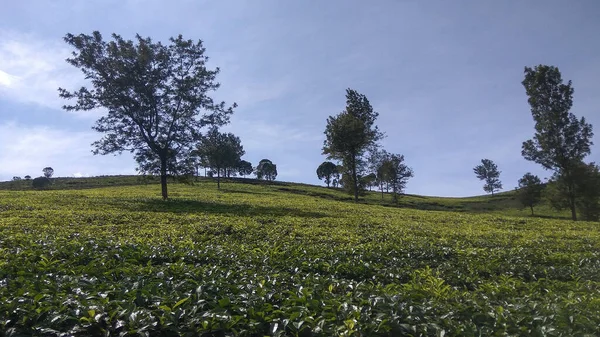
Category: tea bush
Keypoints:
(252, 260)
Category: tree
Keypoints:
(327, 171)
(27, 177)
(244, 168)
(380, 165)
(336, 178)
(586, 178)
(370, 180)
(349, 135)
(221, 151)
(588, 191)
(41, 183)
(155, 95)
(266, 170)
(15, 178)
(48, 172)
(530, 190)
(561, 141)
(398, 174)
(488, 171)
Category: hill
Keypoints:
(255, 259)
(504, 203)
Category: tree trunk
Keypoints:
(355, 179)
(531, 209)
(572, 206)
(567, 175)
(163, 178)
(218, 179)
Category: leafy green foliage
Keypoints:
(266, 170)
(349, 135)
(257, 260)
(327, 170)
(530, 190)
(41, 183)
(220, 152)
(397, 174)
(488, 171)
(48, 172)
(154, 95)
(244, 168)
(588, 191)
(585, 180)
(561, 141)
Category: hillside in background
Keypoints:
(505, 203)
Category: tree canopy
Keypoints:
(530, 190)
(266, 170)
(244, 168)
(349, 135)
(156, 96)
(48, 172)
(488, 172)
(220, 151)
(327, 171)
(561, 140)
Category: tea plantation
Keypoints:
(287, 260)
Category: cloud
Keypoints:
(25, 150)
(32, 69)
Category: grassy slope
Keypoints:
(119, 259)
(504, 203)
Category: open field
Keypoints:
(289, 260)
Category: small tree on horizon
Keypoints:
(396, 174)
(488, 172)
(561, 141)
(48, 172)
(266, 170)
(221, 151)
(244, 168)
(530, 190)
(154, 95)
(326, 171)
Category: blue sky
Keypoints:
(443, 75)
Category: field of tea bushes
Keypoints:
(254, 260)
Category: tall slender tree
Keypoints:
(561, 140)
(488, 172)
(349, 135)
(156, 96)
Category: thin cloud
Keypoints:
(25, 150)
(32, 69)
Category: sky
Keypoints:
(444, 76)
